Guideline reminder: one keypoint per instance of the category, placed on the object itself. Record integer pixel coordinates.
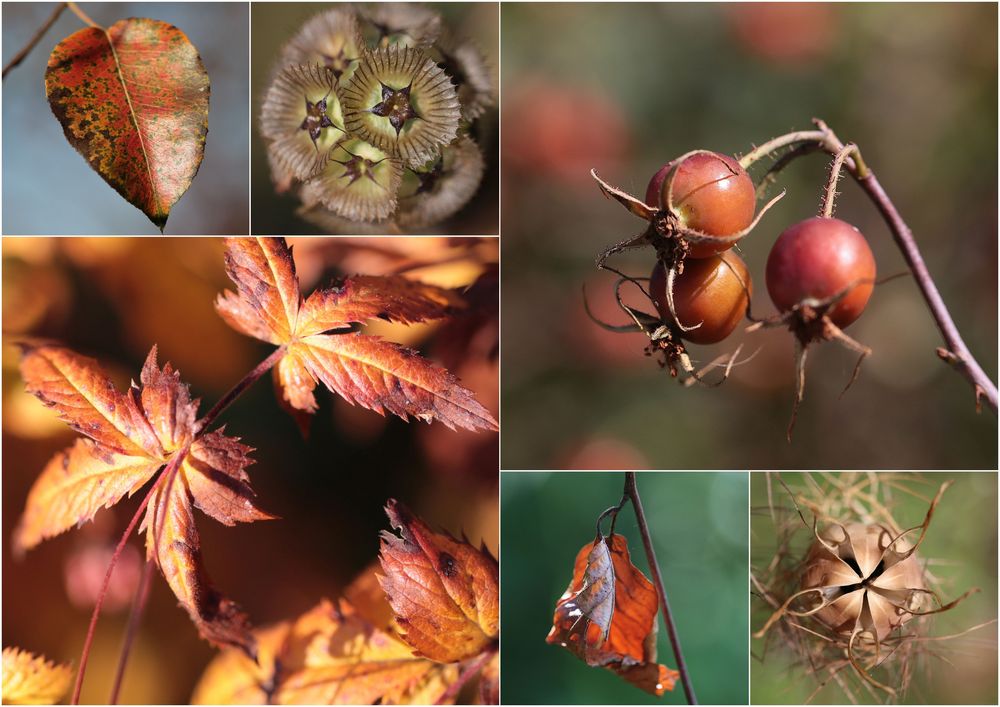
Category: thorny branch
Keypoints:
(955, 353)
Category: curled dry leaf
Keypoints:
(607, 616)
(32, 680)
(132, 436)
(321, 346)
(329, 655)
(444, 592)
(133, 100)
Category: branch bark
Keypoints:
(21, 55)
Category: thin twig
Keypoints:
(830, 195)
(238, 389)
(471, 668)
(20, 56)
(134, 619)
(632, 491)
(75, 9)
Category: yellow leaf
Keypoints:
(32, 680)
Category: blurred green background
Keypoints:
(623, 88)
(112, 299)
(49, 189)
(699, 526)
(961, 550)
(273, 24)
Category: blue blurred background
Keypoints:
(698, 522)
(624, 88)
(49, 189)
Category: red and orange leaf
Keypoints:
(172, 541)
(444, 592)
(167, 404)
(622, 639)
(268, 301)
(386, 377)
(86, 400)
(329, 655)
(360, 298)
(220, 488)
(76, 484)
(32, 680)
(133, 100)
(375, 374)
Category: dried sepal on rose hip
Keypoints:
(401, 102)
(301, 118)
(332, 39)
(861, 582)
(356, 181)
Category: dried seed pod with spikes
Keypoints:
(332, 39)
(403, 24)
(301, 118)
(470, 74)
(357, 181)
(401, 102)
(444, 186)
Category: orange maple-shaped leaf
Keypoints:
(607, 616)
(444, 592)
(133, 100)
(329, 655)
(32, 680)
(132, 436)
(321, 346)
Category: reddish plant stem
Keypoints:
(632, 491)
(75, 9)
(134, 619)
(88, 642)
(471, 668)
(237, 390)
(35, 39)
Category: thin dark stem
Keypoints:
(632, 491)
(35, 39)
(134, 619)
(471, 668)
(237, 390)
(85, 653)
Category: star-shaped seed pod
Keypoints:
(442, 187)
(403, 24)
(401, 102)
(470, 74)
(332, 223)
(332, 39)
(301, 117)
(357, 182)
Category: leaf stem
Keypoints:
(632, 491)
(237, 390)
(35, 39)
(472, 667)
(134, 619)
(88, 642)
(75, 9)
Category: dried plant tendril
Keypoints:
(301, 116)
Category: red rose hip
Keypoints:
(712, 193)
(714, 291)
(818, 258)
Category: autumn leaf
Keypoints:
(444, 592)
(132, 436)
(321, 346)
(607, 616)
(133, 100)
(329, 655)
(32, 680)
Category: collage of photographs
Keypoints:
(535, 353)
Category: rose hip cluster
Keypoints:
(820, 272)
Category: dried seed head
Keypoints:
(442, 187)
(404, 24)
(864, 581)
(401, 102)
(470, 74)
(358, 182)
(332, 39)
(301, 117)
(331, 223)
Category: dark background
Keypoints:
(624, 88)
(274, 24)
(112, 299)
(698, 522)
(49, 189)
